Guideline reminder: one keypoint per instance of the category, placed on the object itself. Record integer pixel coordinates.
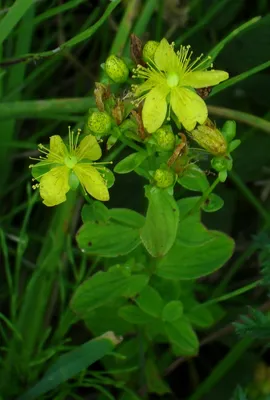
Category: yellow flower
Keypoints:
(170, 78)
(69, 166)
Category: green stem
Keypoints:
(232, 294)
(203, 198)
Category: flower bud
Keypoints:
(229, 130)
(149, 50)
(164, 178)
(116, 69)
(99, 122)
(165, 138)
(210, 138)
(221, 163)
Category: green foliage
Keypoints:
(255, 326)
(152, 265)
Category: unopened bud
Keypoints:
(229, 130)
(165, 138)
(164, 178)
(149, 50)
(221, 163)
(99, 122)
(116, 69)
(210, 138)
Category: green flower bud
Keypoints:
(229, 130)
(116, 69)
(221, 163)
(165, 138)
(99, 122)
(210, 138)
(149, 50)
(164, 178)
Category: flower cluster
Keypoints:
(165, 88)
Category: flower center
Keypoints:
(70, 161)
(172, 79)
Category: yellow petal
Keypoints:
(155, 108)
(201, 79)
(54, 186)
(58, 149)
(188, 107)
(145, 87)
(88, 148)
(92, 181)
(165, 57)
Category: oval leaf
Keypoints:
(129, 163)
(172, 311)
(150, 301)
(111, 240)
(159, 232)
(134, 315)
(193, 178)
(186, 262)
(181, 334)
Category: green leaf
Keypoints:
(186, 205)
(200, 317)
(135, 284)
(213, 203)
(159, 232)
(191, 232)
(108, 177)
(72, 363)
(186, 262)
(101, 288)
(129, 163)
(134, 315)
(10, 20)
(154, 382)
(172, 311)
(194, 178)
(111, 240)
(126, 217)
(181, 334)
(150, 301)
(95, 212)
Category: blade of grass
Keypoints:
(35, 108)
(124, 28)
(221, 369)
(69, 43)
(204, 21)
(239, 78)
(15, 78)
(244, 27)
(240, 116)
(16, 12)
(72, 363)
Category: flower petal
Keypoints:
(188, 107)
(88, 148)
(201, 79)
(92, 181)
(58, 149)
(54, 186)
(145, 87)
(155, 108)
(165, 57)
